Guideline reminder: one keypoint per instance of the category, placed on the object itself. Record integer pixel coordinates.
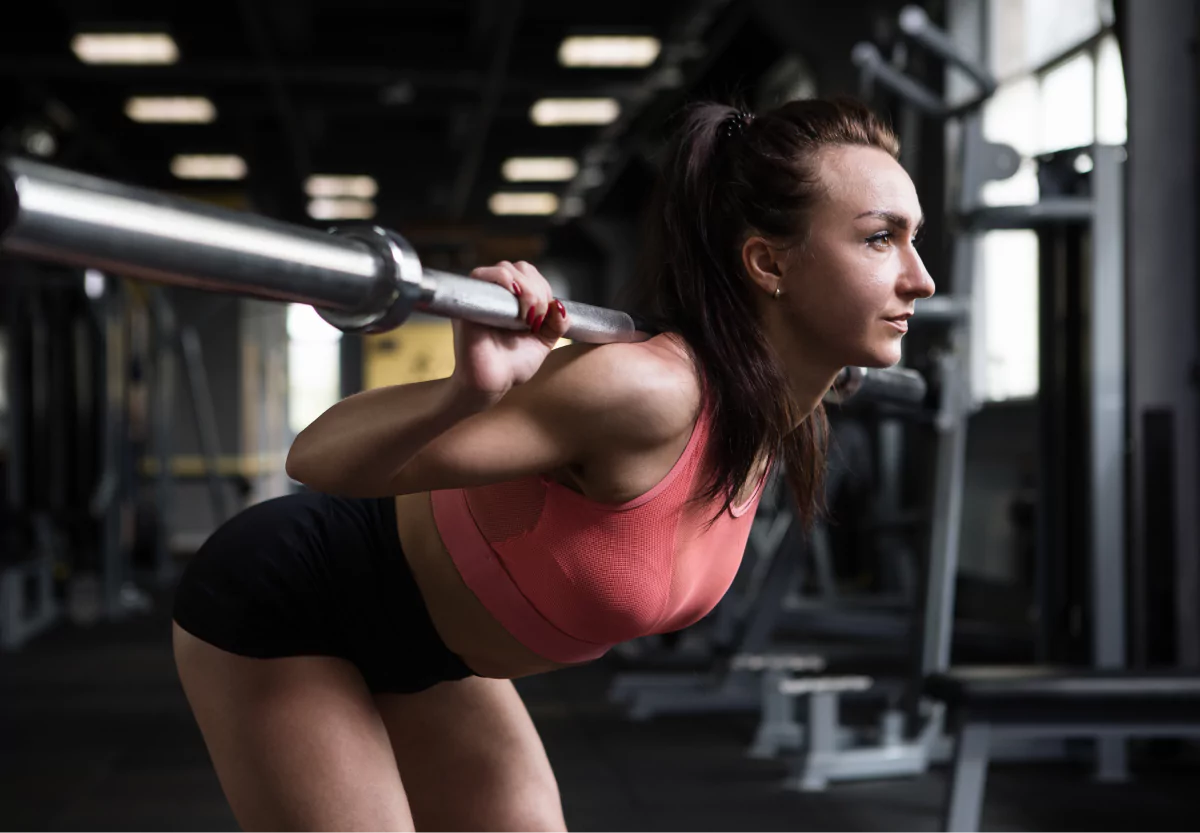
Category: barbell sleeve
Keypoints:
(67, 217)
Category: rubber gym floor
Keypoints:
(95, 735)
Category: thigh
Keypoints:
(297, 742)
(471, 758)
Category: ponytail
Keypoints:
(725, 174)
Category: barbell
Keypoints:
(360, 278)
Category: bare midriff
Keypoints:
(463, 623)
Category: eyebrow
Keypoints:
(898, 220)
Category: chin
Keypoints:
(876, 356)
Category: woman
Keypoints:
(348, 652)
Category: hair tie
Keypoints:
(736, 124)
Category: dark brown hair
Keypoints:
(719, 184)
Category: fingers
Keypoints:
(555, 324)
(535, 294)
(523, 285)
(537, 307)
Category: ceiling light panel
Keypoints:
(530, 204)
(609, 51)
(339, 185)
(539, 169)
(340, 208)
(208, 166)
(555, 112)
(125, 48)
(174, 110)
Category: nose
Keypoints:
(916, 281)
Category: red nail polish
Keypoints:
(516, 288)
(562, 311)
(529, 317)
(537, 325)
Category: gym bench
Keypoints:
(1035, 701)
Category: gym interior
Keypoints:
(994, 627)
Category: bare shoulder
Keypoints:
(644, 394)
(586, 405)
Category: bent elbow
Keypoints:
(291, 466)
(312, 468)
(298, 465)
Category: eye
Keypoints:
(880, 241)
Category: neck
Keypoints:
(809, 378)
(808, 386)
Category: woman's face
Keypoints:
(848, 290)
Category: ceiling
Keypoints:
(426, 96)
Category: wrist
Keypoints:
(464, 400)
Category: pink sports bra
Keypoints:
(570, 577)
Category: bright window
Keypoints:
(1026, 33)
(1006, 346)
(1068, 105)
(1052, 26)
(1075, 103)
(314, 365)
(1112, 109)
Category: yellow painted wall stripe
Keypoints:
(228, 465)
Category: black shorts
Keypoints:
(311, 574)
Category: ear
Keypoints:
(763, 263)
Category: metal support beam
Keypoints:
(1052, 210)
(1107, 431)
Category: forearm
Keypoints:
(357, 447)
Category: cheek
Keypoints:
(870, 287)
(850, 292)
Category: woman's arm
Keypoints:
(584, 403)
(356, 446)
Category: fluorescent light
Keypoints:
(560, 111)
(526, 203)
(540, 169)
(178, 110)
(125, 48)
(326, 208)
(208, 167)
(330, 185)
(609, 51)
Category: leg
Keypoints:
(296, 742)
(471, 758)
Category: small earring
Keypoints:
(778, 292)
